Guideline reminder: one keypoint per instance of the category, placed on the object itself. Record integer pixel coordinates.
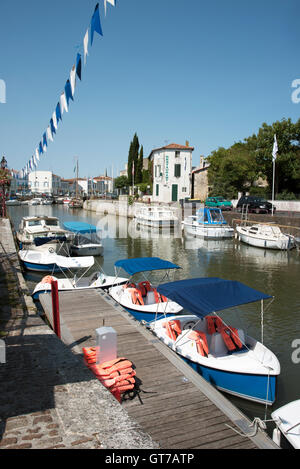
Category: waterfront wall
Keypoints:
(118, 207)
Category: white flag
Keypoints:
(73, 80)
(63, 103)
(85, 45)
(112, 2)
(275, 149)
(37, 155)
(54, 120)
(49, 134)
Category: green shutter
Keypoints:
(174, 192)
(177, 170)
(157, 190)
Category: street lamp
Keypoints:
(4, 183)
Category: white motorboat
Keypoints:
(156, 216)
(208, 223)
(44, 261)
(43, 233)
(141, 298)
(287, 420)
(84, 282)
(35, 201)
(86, 241)
(225, 356)
(265, 236)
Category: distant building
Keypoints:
(18, 184)
(172, 167)
(200, 187)
(44, 182)
(103, 184)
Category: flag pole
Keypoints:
(273, 186)
(274, 156)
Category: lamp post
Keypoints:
(4, 182)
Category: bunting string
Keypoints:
(68, 92)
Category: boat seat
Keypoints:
(217, 346)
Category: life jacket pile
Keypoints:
(116, 375)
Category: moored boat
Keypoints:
(156, 216)
(96, 280)
(44, 261)
(87, 241)
(224, 355)
(43, 233)
(265, 236)
(208, 223)
(141, 297)
(287, 420)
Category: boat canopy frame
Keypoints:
(207, 295)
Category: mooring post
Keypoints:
(55, 307)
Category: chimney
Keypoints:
(187, 143)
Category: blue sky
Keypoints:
(170, 70)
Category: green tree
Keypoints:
(133, 156)
(287, 165)
(139, 169)
(120, 182)
(231, 170)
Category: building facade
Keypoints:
(44, 182)
(172, 167)
(200, 187)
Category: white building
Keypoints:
(103, 184)
(172, 167)
(44, 182)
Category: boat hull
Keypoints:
(244, 385)
(92, 250)
(42, 267)
(207, 232)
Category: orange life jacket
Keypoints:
(231, 338)
(214, 324)
(173, 328)
(201, 342)
(158, 297)
(136, 297)
(145, 287)
(47, 279)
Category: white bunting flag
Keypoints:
(85, 45)
(37, 155)
(54, 120)
(73, 80)
(49, 134)
(112, 2)
(63, 103)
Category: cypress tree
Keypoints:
(130, 163)
(139, 173)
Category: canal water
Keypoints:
(274, 273)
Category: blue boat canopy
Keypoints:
(80, 227)
(202, 296)
(143, 264)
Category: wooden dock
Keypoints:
(176, 406)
